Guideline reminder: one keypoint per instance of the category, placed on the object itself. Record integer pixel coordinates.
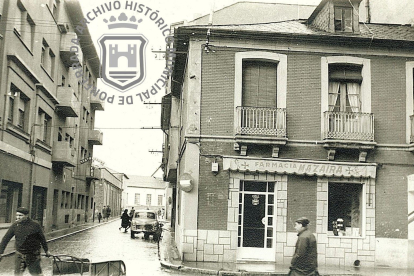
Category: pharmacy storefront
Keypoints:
(267, 195)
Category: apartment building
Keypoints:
(268, 122)
(47, 116)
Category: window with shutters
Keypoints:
(260, 94)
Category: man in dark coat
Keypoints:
(29, 238)
(305, 259)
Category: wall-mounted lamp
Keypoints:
(186, 182)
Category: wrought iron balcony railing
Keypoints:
(355, 126)
(261, 121)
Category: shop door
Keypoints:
(256, 221)
(38, 204)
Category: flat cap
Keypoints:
(22, 210)
(303, 220)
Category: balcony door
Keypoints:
(258, 113)
(259, 84)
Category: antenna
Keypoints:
(210, 18)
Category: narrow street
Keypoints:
(104, 243)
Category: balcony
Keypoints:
(97, 104)
(352, 130)
(63, 154)
(93, 174)
(260, 125)
(68, 103)
(69, 51)
(95, 137)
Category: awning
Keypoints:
(300, 167)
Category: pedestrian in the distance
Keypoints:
(29, 239)
(125, 221)
(108, 212)
(131, 213)
(105, 212)
(99, 217)
(305, 259)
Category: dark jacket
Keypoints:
(125, 220)
(305, 259)
(29, 237)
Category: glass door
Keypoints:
(256, 229)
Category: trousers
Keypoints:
(30, 261)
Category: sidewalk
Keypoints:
(170, 259)
(54, 235)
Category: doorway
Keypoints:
(256, 223)
(38, 204)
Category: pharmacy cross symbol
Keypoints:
(353, 170)
(245, 165)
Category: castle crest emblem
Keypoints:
(122, 57)
(123, 61)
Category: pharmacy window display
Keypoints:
(345, 209)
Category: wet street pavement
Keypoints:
(104, 243)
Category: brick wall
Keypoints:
(391, 195)
(301, 197)
(303, 103)
(212, 196)
(217, 92)
(388, 99)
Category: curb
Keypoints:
(203, 271)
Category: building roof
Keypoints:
(138, 181)
(246, 12)
(299, 27)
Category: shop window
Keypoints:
(345, 209)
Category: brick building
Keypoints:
(268, 122)
(46, 115)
